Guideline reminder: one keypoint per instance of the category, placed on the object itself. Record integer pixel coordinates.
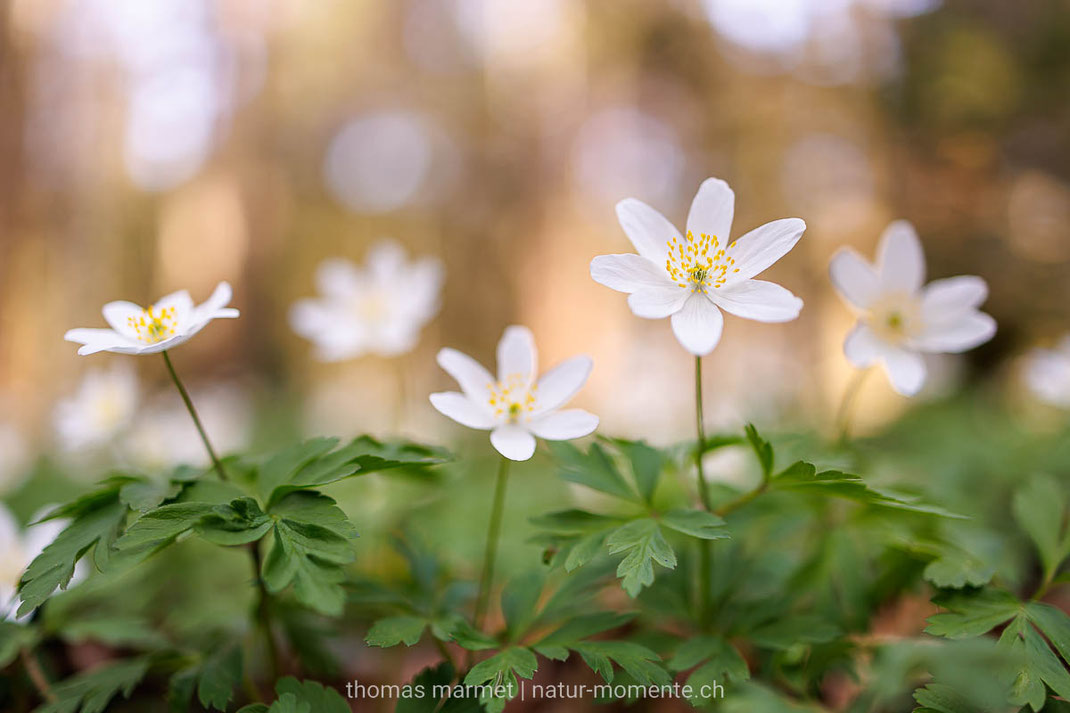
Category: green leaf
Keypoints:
(942, 699)
(639, 662)
(643, 544)
(697, 523)
(578, 628)
(236, 523)
(788, 631)
(319, 698)
(1053, 623)
(1040, 510)
(762, 449)
(584, 550)
(14, 637)
(719, 660)
(432, 680)
(595, 469)
(91, 692)
(120, 630)
(313, 463)
(646, 462)
(954, 568)
(144, 494)
(394, 630)
(159, 528)
(499, 673)
(574, 522)
(217, 678)
(1042, 665)
(972, 614)
(309, 546)
(464, 635)
(96, 520)
(519, 598)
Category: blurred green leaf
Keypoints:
(697, 523)
(762, 449)
(1040, 510)
(394, 630)
(643, 544)
(638, 661)
(972, 613)
(594, 469)
(91, 692)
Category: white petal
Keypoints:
(900, 260)
(649, 231)
(462, 410)
(516, 354)
(561, 383)
(219, 299)
(854, 278)
(564, 425)
(712, 209)
(658, 302)
(99, 340)
(951, 297)
(474, 380)
(338, 278)
(905, 369)
(118, 315)
(963, 332)
(513, 442)
(628, 272)
(759, 300)
(385, 260)
(763, 246)
(863, 347)
(182, 304)
(698, 325)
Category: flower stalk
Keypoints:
(705, 551)
(216, 463)
(490, 553)
(846, 408)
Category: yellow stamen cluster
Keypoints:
(152, 326)
(700, 263)
(512, 397)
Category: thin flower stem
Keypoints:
(846, 410)
(37, 676)
(193, 413)
(705, 551)
(494, 529)
(263, 613)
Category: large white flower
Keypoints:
(692, 277)
(1047, 372)
(898, 317)
(102, 408)
(516, 406)
(166, 324)
(18, 548)
(378, 309)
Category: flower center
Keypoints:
(895, 318)
(699, 263)
(371, 307)
(512, 398)
(152, 326)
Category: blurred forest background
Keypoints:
(155, 145)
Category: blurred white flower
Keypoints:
(163, 436)
(14, 458)
(379, 308)
(516, 407)
(18, 548)
(1047, 373)
(166, 324)
(102, 408)
(689, 278)
(898, 318)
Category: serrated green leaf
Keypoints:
(971, 613)
(119, 630)
(643, 544)
(943, 699)
(762, 449)
(519, 598)
(394, 630)
(218, 676)
(238, 522)
(719, 658)
(159, 528)
(145, 494)
(1053, 623)
(594, 469)
(91, 692)
(579, 628)
(574, 522)
(464, 635)
(320, 699)
(518, 659)
(646, 462)
(697, 523)
(1040, 510)
(639, 662)
(789, 631)
(954, 568)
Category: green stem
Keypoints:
(193, 413)
(705, 548)
(263, 613)
(490, 553)
(36, 674)
(742, 500)
(845, 410)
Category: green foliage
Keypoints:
(1040, 509)
(91, 692)
(301, 697)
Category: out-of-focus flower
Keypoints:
(163, 436)
(166, 324)
(1047, 373)
(14, 457)
(18, 548)
(899, 319)
(516, 407)
(103, 407)
(689, 278)
(379, 308)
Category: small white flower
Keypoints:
(378, 309)
(1047, 372)
(898, 317)
(691, 278)
(19, 548)
(516, 407)
(102, 408)
(166, 324)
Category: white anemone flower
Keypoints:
(378, 308)
(691, 277)
(899, 317)
(18, 549)
(516, 406)
(1047, 373)
(102, 408)
(173, 320)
